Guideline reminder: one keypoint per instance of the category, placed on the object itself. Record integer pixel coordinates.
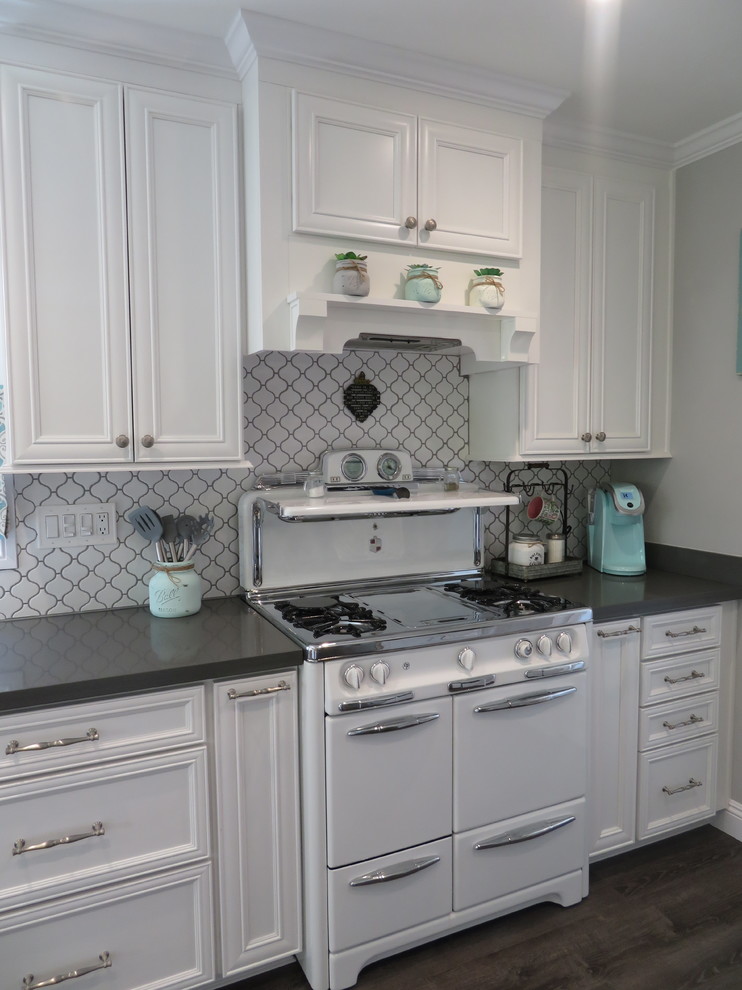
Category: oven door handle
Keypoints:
(524, 700)
(525, 834)
(394, 724)
(395, 873)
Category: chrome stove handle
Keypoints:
(562, 668)
(525, 834)
(364, 703)
(524, 700)
(395, 873)
(394, 725)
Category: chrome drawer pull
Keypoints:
(524, 700)
(693, 720)
(95, 829)
(281, 686)
(525, 834)
(562, 668)
(105, 963)
(473, 684)
(394, 725)
(686, 632)
(15, 747)
(395, 872)
(618, 632)
(683, 787)
(694, 675)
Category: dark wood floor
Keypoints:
(665, 917)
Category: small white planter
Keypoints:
(487, 291)
(422, 285)
(351, 278)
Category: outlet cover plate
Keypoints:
(75, 525)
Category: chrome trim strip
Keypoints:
(563, 668)
(394, 725)
(525, 834)
(401, 582)
(257, 542)
(524, 700)
(473, 684)
(478, 536)
(396, 872)
(366, 703)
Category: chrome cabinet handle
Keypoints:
(148, 440)
(619, 632)
(693, 676)
(692, 782)
(431, 224)
(394, 725)
(232, 694)
(21, 846)
(525, 834)
(105, 963)
(122, 440)
(686, 632)
(396, 872)
(600, 437)
(693, 720)
(524, 700)
(15, 747)
(410, 223)
(562, 668)
(586, 437)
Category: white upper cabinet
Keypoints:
(123, 337)
(379, 175)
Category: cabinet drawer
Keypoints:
(98, 730)
(157, 933)
(680, 677)
(684, 719)
(677, 632)
(493, 861)
(152, 812)
(677, 784)
(362, 908)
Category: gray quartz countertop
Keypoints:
(85, 655)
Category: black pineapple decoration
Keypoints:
(361, 397)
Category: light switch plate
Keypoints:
(89, 524)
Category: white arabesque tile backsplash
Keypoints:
(293, 412)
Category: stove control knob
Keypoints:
(467, 656)
(544, 646)
(380, 671)
(564, 642)
(353, 676)
(523, 649)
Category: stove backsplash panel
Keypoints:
(293, 412)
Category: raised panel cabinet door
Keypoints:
(65, 249)
(614, 673)
(257, 819)
(470, 190)
(354, 170)
(622, 314)
(185, 312)
(555, 393)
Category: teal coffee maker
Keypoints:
(615, 529)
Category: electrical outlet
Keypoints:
(91, 524)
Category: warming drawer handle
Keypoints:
(21, 846)
(694, 675)
(105, 963)
(692, 782)
(562, 668)
(619, 632)
(525, 834)
(394, 724)
(281, 686)
(396, 872)
(686, 632)
(524, 700)
(15, 747)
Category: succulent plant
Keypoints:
(351, 256)
(431, 268)
(488, 271)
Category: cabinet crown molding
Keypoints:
(254, 35)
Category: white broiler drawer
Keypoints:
(380, 896)
(677, 632)
(150, 933)
(678, 677)
(685, 718)
(677, 785)
(62, 833)
(51, 738)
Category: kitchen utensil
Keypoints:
(148, 524)
(169, 535)
(185, 525)
(202, 529)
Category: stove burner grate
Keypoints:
(513, 599)
(330, 615)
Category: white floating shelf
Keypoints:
(322, 321)
(336, 505)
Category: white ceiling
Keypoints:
(663, 70)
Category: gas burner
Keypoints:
(330, 615)
(513, 599)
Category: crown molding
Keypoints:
(709, 141)
(614, 144)
(107, 34)
(260, 35)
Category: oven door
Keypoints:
(388, 779)
(519, 748)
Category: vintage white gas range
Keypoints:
(443, 717)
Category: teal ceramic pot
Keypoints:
(174, 590)
(423, 284)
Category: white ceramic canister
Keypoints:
(525, 549)
(422, 284)
(351, 277)
(555, 548)
(174, 590)
(487, 291)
